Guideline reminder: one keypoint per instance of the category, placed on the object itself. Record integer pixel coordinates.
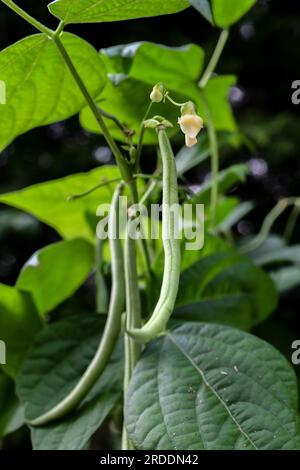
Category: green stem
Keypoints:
(72, 197)
(214, 149)
(214, 58)
(133, 318)
(291, 223)
(35, 23)
(123, 166)
(168, 97)
(141, 138)
(268, 223)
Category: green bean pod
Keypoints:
(111, 330)
(169, 289)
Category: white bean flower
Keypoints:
(190, 123)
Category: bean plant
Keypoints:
(167, 359)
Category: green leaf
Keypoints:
(128, 100)
(215, 388)
(19, 323)
(217, 96)
(55, 272)
(227, 179)
(203, 6)
(179, 68)
(99, 11)
(176, 67)
(49, 201)
(225, 288)
(39, 88)
(228, 12)
(59, 358)
(286, 278)
(236, 215)
(11, 413)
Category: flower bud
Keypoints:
(158, 93)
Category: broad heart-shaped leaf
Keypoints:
(49, 201)
(228, 12)
(212, 387)
(39, 87)
(225, 288)
(176, 67)
(129, 100)
(19, 323)
(11, 412)
(57, 360)
(179, 68)
(203, 6)
(99, 11)
(55, 272)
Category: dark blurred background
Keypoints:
(263, 51)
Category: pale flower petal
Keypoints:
(190, 124)
(190, 141)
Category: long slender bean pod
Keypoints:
(133, 317)
(111, 330)
(165, 305)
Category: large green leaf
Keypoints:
(39, 87)
(11, 413)
(179, 68)
(203, 6)
(54, 273)
(49, 201)
(129, 100)
(99, 11)
(225, 288)
(19, 323)
(228, 12)
(60, 356)
(217, 96)
(215, 388)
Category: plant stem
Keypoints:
(72, 197)
(35, 23)
(214, 58)
(123, 166)
(291, 223)
(214, 149)
(268, 223)
(141, 138)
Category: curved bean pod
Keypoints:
(169, 289)
(111, 330)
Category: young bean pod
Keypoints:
(165, 305)
(111, 330)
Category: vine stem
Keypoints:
(35, 23)
(122, 164)
(214, 149)
(212, 134)
(214, 58)
(268, 223)
(141, 138)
